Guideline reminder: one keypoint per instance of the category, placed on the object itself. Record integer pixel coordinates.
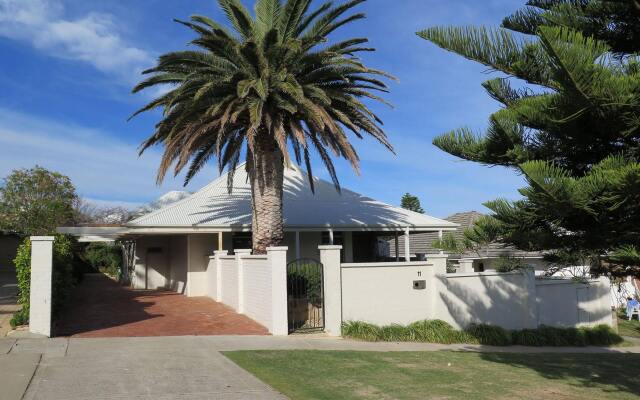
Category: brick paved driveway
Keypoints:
(100, 307)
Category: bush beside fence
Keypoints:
(63, 279)
(438, 331)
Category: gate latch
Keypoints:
(419, 285)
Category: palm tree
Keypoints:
(269, 86)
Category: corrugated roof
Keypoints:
(213, 206)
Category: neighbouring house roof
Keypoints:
(213, 206)
(422, 242)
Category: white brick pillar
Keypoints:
(239, 254)
(465, 265)
(217, 254)
(40, 292)
(278, 261)
(330, 259)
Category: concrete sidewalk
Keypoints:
(180, 367)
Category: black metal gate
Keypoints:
(305, 295)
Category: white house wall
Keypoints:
(200, 246)
(178, 263)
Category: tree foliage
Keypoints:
(573, 130)
(270, 84)
(35, 201)
(411, 202)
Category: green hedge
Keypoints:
(62, 279)
(104, 257)
(438, 331)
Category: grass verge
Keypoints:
(444, 375)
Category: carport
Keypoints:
(102, 307)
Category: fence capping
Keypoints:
(42, 238)
(330, 247)
(486, 273)
(394, 264)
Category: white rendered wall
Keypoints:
(568, 303)
(200, 247)
(502, 299)
(178, 264)
(384, 294)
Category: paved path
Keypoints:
(101, 307)
(180, 367)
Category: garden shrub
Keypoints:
(306, 281)
(23, 272)
(62, 279)
(601, 335)
(105, 258)
(437, 331)
(361, 330)
(489, 334)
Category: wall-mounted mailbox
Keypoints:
(419, 285)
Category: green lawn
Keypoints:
(629, 328)
(444, 375)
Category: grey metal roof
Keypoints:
(422, 242)
(213, 206)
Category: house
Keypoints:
(484, 259)
(169, 247)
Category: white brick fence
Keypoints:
(404, 292)
(255, 285)
(380, 293)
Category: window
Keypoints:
(241, 240)
(337, 238)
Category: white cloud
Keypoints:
(101, 167)
(93, 38)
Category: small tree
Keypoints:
(411, 202)
(35, 201)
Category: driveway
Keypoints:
(101, 307)
(183, 368)
(8, 299)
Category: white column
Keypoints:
(397, 246)
(465, 265)
(40, 290)
(218, 254)
(297, 245)
(440, 237)
(407, 245)
(330, 259)
(278, 261)
(239, 254)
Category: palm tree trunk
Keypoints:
(266, 174)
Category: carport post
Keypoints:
(278, 260)
(407, 245)
(40, 291)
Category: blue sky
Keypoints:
(67, 68)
